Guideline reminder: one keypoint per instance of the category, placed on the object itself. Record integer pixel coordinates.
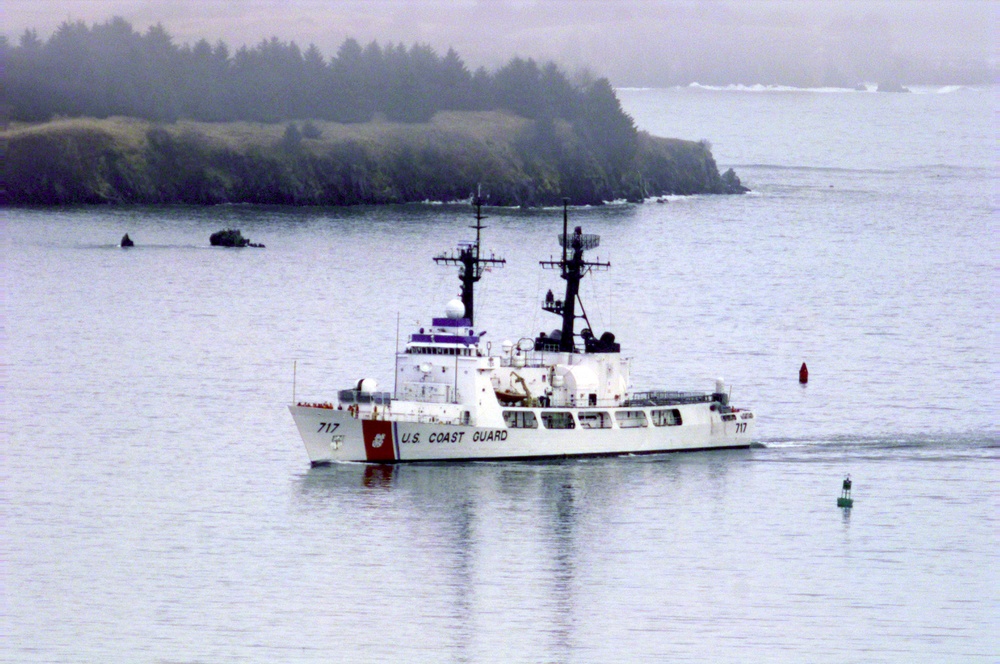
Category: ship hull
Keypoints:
(337, 435)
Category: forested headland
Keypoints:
(105, 114)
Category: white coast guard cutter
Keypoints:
(557, 395)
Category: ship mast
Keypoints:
(471, 264)
(573, 268)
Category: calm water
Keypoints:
(158, 505)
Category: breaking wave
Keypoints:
(867, 87)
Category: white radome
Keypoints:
(455, 309)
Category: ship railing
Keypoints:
(529, 359)
(606, 404)
(582, 404)
(424, 418)
(359, 397)
(664, 398)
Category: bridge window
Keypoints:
(520, 419)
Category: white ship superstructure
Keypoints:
(556, 395)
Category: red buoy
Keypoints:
(803, 374)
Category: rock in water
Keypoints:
(231, 237)
(127, 241)
(731, 183)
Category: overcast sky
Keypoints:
(633, 42)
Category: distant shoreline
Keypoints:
(512, 160)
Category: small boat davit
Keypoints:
(562, 394)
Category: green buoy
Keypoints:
(845, 499)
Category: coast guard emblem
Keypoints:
(378, 440)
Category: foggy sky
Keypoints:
(633, 42)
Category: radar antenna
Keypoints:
(471, 263)
(573, 268)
